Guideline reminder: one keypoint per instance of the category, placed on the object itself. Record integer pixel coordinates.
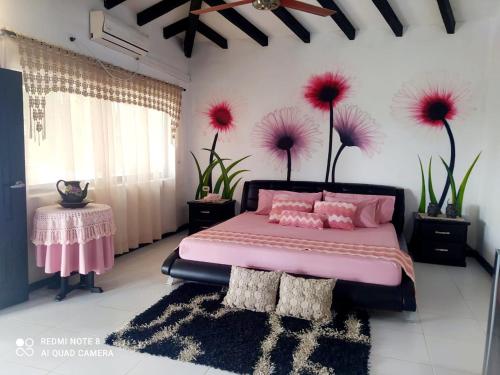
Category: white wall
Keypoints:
(259, 80)
(53, 21)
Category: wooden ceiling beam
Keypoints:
(108, 4)
(390, 17)
(212, 35)
(447, 15)
(293, 24)
(175, 28)
(340, 18)
(192, 27)
(158, 10)
(241, 22)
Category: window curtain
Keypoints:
(125, 150)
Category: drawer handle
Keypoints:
(442, 250)
(204, 227)
(443, 233)
(206, 212)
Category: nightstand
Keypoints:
(203, 215)
(439, 240)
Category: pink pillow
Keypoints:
(283, 204)
(366, 210)
(265, 203)
(385, 207)
(301, 219)
(339, 215)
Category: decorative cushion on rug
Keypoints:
(252, 290)
(301, 219)
(305, 298)
(266, 196)
(338, 215)
(191, 325)
(282, 204)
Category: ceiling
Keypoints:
(363, 15)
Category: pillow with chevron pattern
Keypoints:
(301, 219)
(338, 215)
(282, 204)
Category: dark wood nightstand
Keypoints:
(439, 240)
(203, 215)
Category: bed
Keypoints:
(364, 281)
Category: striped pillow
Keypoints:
(301, 219)
(282, 204)
(338, 215)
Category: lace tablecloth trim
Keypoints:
(69, 227)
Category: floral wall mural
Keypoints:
(287, 136)
(221, 120)
(435, 102)
(355, 128)
(324, 92)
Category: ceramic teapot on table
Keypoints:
(72, 192)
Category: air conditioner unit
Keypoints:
(113, 33)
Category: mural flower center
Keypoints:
(437, 110)
(328, 94)
(222, 116)
(285, 143)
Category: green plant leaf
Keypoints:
(233, 188)
(200, 177)
(432, 196)
(463, 185)
(423, 201)
(453, 185)
(208, 172)
(225, 191)
(220, 180)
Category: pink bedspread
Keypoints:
(320, 264)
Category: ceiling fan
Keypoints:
(271, 5)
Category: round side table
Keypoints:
(74, 240)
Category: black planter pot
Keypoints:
(451, 211)
(433, 209)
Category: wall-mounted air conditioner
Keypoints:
(115, 34)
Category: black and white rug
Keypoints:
(192, 325)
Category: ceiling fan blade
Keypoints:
(221, 7)
(304, 7)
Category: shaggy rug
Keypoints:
(192, 325)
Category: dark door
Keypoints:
(13, 232)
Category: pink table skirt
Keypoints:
(96, 255)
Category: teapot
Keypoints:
(72, 193)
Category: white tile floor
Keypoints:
(445, 337)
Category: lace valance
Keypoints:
(47, 68)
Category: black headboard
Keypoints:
(250, 196)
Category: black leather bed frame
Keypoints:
(346, 293)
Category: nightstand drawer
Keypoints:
(208, 213)
(444, 232)
(443, 252)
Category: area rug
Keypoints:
(192, 325)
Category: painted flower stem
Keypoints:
(211, 159)
(288, 164)
(341, 148)
(451, 164)
(330, 142)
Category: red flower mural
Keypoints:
(324, 92)
(434, 102)
(221, 119)
(287, 136)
